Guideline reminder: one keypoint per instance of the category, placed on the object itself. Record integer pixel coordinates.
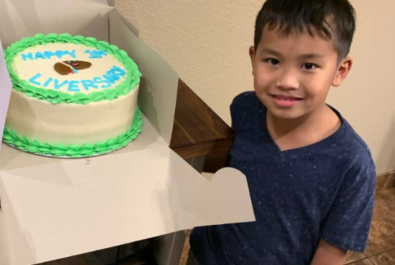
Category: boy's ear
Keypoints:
(252, 57)
(342, 71)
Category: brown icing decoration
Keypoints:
(64, 69)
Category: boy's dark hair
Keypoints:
(334, 18)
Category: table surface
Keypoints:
(198, 130)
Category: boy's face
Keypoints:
(293, 74)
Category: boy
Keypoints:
(311, 177)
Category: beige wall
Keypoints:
(207, 43)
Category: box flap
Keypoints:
(157, 96)
(5, 92)
(4, 239)
(19, 19)
(127, 23)
(104, 201)
(142, 191)
(212, 201)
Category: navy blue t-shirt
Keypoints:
(324, 190)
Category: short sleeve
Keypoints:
(233, 115)
(241, 105)
(348, 221)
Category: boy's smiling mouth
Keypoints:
(285, 100)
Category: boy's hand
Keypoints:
(327, 254)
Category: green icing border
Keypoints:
(58, 97)
(74, 151)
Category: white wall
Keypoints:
(207, 43)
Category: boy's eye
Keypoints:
(309, 66)
(272, 61)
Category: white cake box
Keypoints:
(55, 208)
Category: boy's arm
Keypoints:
(346, 225)
(327, 254)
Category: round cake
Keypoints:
(72, 96)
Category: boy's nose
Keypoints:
(287, 80)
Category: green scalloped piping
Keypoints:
(58, 97)
(85, 150)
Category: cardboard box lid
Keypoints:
(55, 208)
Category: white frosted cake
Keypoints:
(72, 96)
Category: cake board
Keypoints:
(55, 208)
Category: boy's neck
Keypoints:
(306, 130)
